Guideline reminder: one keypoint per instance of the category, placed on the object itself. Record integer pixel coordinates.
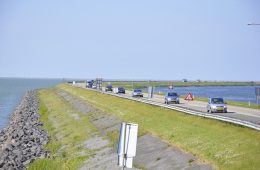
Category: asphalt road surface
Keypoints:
(241, 113)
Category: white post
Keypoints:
(127, 144)
(121, 145)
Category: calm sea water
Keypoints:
(235, 93)
(12, 90)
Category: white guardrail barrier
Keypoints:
(188, 111)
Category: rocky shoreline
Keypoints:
(22, 141)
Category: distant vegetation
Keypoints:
(143, 84)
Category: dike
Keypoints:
(22, 141)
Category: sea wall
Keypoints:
(22, 141)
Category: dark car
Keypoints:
(90, 84)
(109, 88)
(121, 90)
(171, 97)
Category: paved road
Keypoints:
(246, 114)
(251, 115)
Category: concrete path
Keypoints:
(152, 153)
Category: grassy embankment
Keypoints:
(142, 84)
(68, 129)
(224, 145)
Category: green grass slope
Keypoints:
(224, 145)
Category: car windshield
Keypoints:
(217, 101)
(137, 90)
(120, 88)
(109, 86)
(172, 94)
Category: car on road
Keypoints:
(216, 105)
(137, 93)
(171, 97)
(118, 90)
(94, 86)
(90, 84)
(109, 88)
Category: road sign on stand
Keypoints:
(150, 92)
(189, 97)
(170, 87)
(99, 83)
(257, 93)
(126, 149)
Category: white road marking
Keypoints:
(247, 114)
(188, 104)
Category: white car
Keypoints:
(137, 93)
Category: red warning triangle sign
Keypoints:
(189, 97)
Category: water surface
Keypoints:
(235, 93)
(12, 90)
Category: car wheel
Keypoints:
(211, 111)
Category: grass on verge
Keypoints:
(67, 133)
(224, 145)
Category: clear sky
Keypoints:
(130, 39)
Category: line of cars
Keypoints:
(117, 90)
(213, 105)
(121, 90)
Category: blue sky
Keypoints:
(167, 40)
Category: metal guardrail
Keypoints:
(192, 112)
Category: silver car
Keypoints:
(216, 105)
(171, 97)
(137, 93)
